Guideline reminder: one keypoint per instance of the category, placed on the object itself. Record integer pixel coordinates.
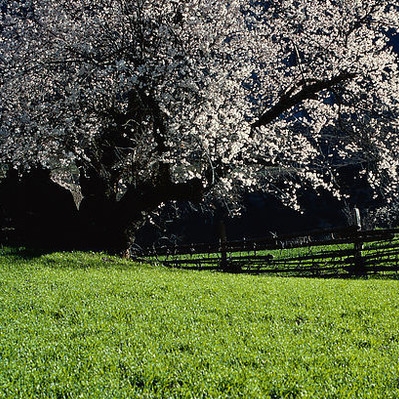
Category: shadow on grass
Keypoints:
(89, 259)
(346, 272)
(63, 259)
(23, 252)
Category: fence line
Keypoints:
(340, 251)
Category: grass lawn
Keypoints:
(91, 326)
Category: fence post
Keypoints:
(358, 220)
(223, 247)
(359, 268)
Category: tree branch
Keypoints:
(308, 91)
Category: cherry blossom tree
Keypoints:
(139, 102)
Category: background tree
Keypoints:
(140, 102)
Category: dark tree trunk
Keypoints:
(111, 225)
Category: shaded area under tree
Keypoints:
(37, 212)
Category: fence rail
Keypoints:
(344, 251)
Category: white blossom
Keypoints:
(204, 72)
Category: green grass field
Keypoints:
(91, 326)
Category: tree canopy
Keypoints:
(138, 102)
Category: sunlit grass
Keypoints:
(92, 326)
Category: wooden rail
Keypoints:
(345, 251)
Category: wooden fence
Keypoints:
(337, 252)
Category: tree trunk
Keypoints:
(110, 224)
